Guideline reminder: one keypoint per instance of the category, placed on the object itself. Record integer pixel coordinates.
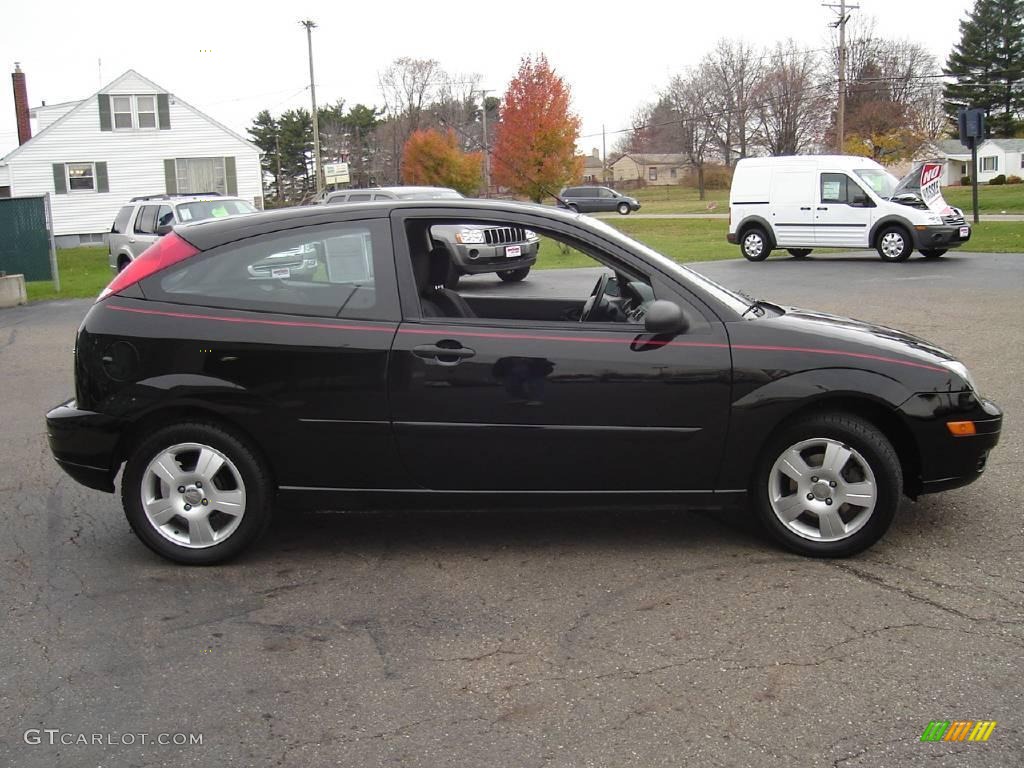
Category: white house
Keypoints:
(995, 157)
(130, 138)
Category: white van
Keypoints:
(804, 202)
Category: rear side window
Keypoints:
(164, 216)
(334, 270)
(145, 220)
(121, 222)
(359, 198)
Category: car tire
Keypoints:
(221, 502)
(122, 263)
(933, 253)
(624, 209)
(799, 253)
(754, 244)
(834, 508)
(514, 275)
(894, 245)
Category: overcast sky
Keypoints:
(233, 59)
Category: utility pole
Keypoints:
(487, 150)
(277, 146)
(604, 156)
(310, 25)
(841, 8)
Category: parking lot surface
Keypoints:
(528, 637)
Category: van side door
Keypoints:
(792, 202)
(842, 216)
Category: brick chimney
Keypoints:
(21, 104)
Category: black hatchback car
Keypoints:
(226, 396)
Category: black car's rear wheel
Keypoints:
(828, 486)
(514, 275)
(196, 494)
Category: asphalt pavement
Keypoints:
(526, 637)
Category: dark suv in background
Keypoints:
(597, 199)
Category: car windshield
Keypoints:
(735, 301)
(212, 209)
(881, 182)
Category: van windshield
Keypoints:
(882, 183)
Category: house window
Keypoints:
(990, 163)
(673, 173)
(145, 107)
(200, 174)
(5, 191)
(652, 173)
(121, 106)
(81, 177)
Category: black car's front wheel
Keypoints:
(828, 486)
(196, 494)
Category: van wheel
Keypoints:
(799, 253)
(754, 245)
(624, 209)
(196, 494)
(894, 244)
(933, 253)
(828, 486)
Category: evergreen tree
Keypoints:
(988, 64)
(264, 133)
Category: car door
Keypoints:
(842, 216)
(793, 198)
(484, 404)
(143, 232)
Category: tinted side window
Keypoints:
(164, 216)
(145, 220)
(571, 192)
(121, 222)
(833, 187)
(605, 194)
(333, 270)
(359, 198)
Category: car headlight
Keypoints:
(470, 236)
(531, 235)
(934, 219)
(961, 370)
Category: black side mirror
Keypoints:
(164, 229)
(665, 317)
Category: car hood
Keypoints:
(861, 337)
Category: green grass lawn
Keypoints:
(84, 272)
(1006, 198)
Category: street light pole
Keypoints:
(310, 25)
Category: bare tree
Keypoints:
(689, 96)
(408, 85)
(732, 73)
(791, 105)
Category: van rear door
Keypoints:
(793, 196)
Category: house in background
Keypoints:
(657, 169)
(130, 138)
(995, 157)
(593, 168)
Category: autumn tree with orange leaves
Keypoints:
(535, 147)
(434, 159)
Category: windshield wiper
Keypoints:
(755, 304)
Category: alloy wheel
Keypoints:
(193, 495)
(822, 489)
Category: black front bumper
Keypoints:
(492, 258)
(84, 444)
(947, 461)
(940, 236)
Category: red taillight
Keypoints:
(168, 250)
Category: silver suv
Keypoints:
(140, 223)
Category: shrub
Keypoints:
(998, 180)
(1013, 179)
(965, 181)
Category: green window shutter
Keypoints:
(102, 185)
(163, 112)
(230, 178)
(170, 177)
(105, 120)
(60, 181)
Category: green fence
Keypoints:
(26, 245)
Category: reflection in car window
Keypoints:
(212, 209)
(326, 271)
